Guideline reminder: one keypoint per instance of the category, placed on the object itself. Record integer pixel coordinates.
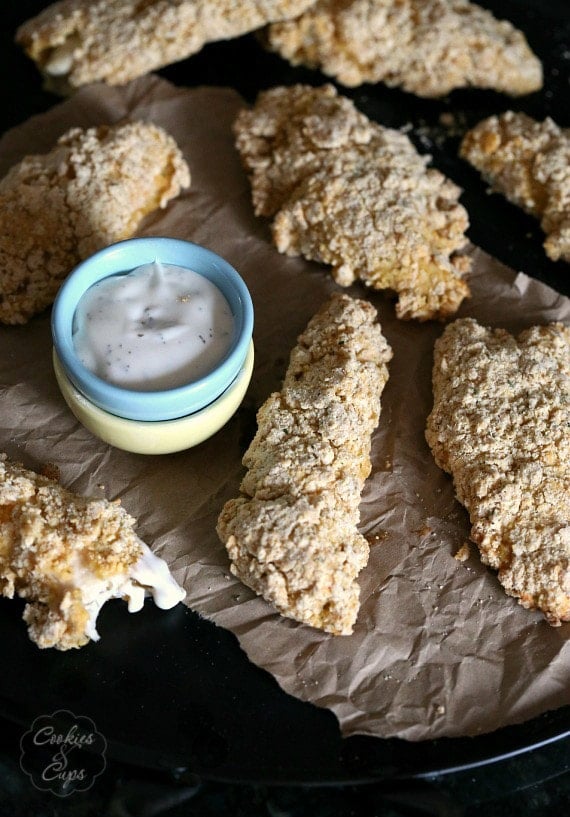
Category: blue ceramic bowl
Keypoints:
(124, 257)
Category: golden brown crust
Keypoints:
(348, 192)
(501, 426)
(292, 536)
(67, 555)
(92, 189)
(529, 163)
(49, 539)
(75, 42)
(428, 47)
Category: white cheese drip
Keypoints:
(148, 576)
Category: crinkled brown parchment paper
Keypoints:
(438, 648)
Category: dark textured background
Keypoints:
(239, 743)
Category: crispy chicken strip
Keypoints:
(92, 189)
(67, 555)
(75, 42)
(427, 47)
(292, 537)
(501, 426)
(529, 163)
(348, 192)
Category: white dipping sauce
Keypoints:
(157, 327)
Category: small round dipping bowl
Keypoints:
(158, 421)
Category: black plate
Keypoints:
(172, 691)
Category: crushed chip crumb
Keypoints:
(529, 163)
(427, 47)
(76, 42)
(348, 192)
(500, 425)
(463, 553)
(92, 189)
(66, 555)
(292, 536)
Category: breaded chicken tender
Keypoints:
(348, 192)
(292, 536)
(75, 42)
(501, 426)
(67, 555)
(427, 47)
(529, 163)
(92, 189)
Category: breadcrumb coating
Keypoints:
(529, 163)
(67, 555)
(427, 47)
(75, 42)
(47, 537)
(92, 189)
(501, 426)
(292, 536)
(348, 192)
